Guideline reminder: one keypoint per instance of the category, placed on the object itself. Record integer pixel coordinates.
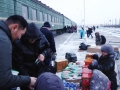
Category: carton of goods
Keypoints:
(61, 64)
(94, 49)
(88, 59)
(87, 62)
(86, 81)
(86, 71)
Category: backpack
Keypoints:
(103, 39)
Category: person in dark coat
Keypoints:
(30, 52)
(89, 32)
(48, 81)
(49, 35)
(98, 39)
(13, 28)
(106, 64)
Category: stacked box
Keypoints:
(86, 73)
(88, 59)
(86, 81)
(61, 64)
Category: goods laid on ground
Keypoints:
(77, 75)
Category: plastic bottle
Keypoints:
(71, 86)
(67, 86)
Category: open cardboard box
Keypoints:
(95, 49)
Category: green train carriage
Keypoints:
(34, 11)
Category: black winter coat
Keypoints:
(25, 55)
(49, 36)
(106, 64)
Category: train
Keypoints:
(37, 12)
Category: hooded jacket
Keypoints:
(49, 36)
(7, 79)
(48, 81)
(25, 53)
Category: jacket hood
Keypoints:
(5, 28)
(49, 81)
(32, 32)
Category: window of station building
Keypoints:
(41, 16)
(25, 11)
(46, 18)
(34, 14)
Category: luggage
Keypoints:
(71, 57)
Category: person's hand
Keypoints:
(33, 80)
(41, 57)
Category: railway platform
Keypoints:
(69, 42)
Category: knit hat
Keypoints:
(49, 81)
(32, 32)
(107, 48)
(47, 24)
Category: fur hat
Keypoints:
(47, 24)
(107, 48)
(49, 81)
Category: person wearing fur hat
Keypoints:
(106, 64)
(30, 53)
(48, 81)
(45, 29)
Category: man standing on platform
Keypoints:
(45, 29)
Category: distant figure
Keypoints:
(99, 39)
(94, 28)
(48, 81)
(89, 32)
(82, 33)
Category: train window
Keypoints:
(49, 18)
(34, 14)
(25, 11)
(52, 18)
(55, 20)
(46, 18)
(41, 16)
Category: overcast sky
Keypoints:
(96, 11)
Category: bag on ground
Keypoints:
(71, 57)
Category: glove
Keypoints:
(95, 56)
(93, 64)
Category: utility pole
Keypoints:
(84, 13)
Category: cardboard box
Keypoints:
(81, 50)
(95, 49)
(60, 64)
